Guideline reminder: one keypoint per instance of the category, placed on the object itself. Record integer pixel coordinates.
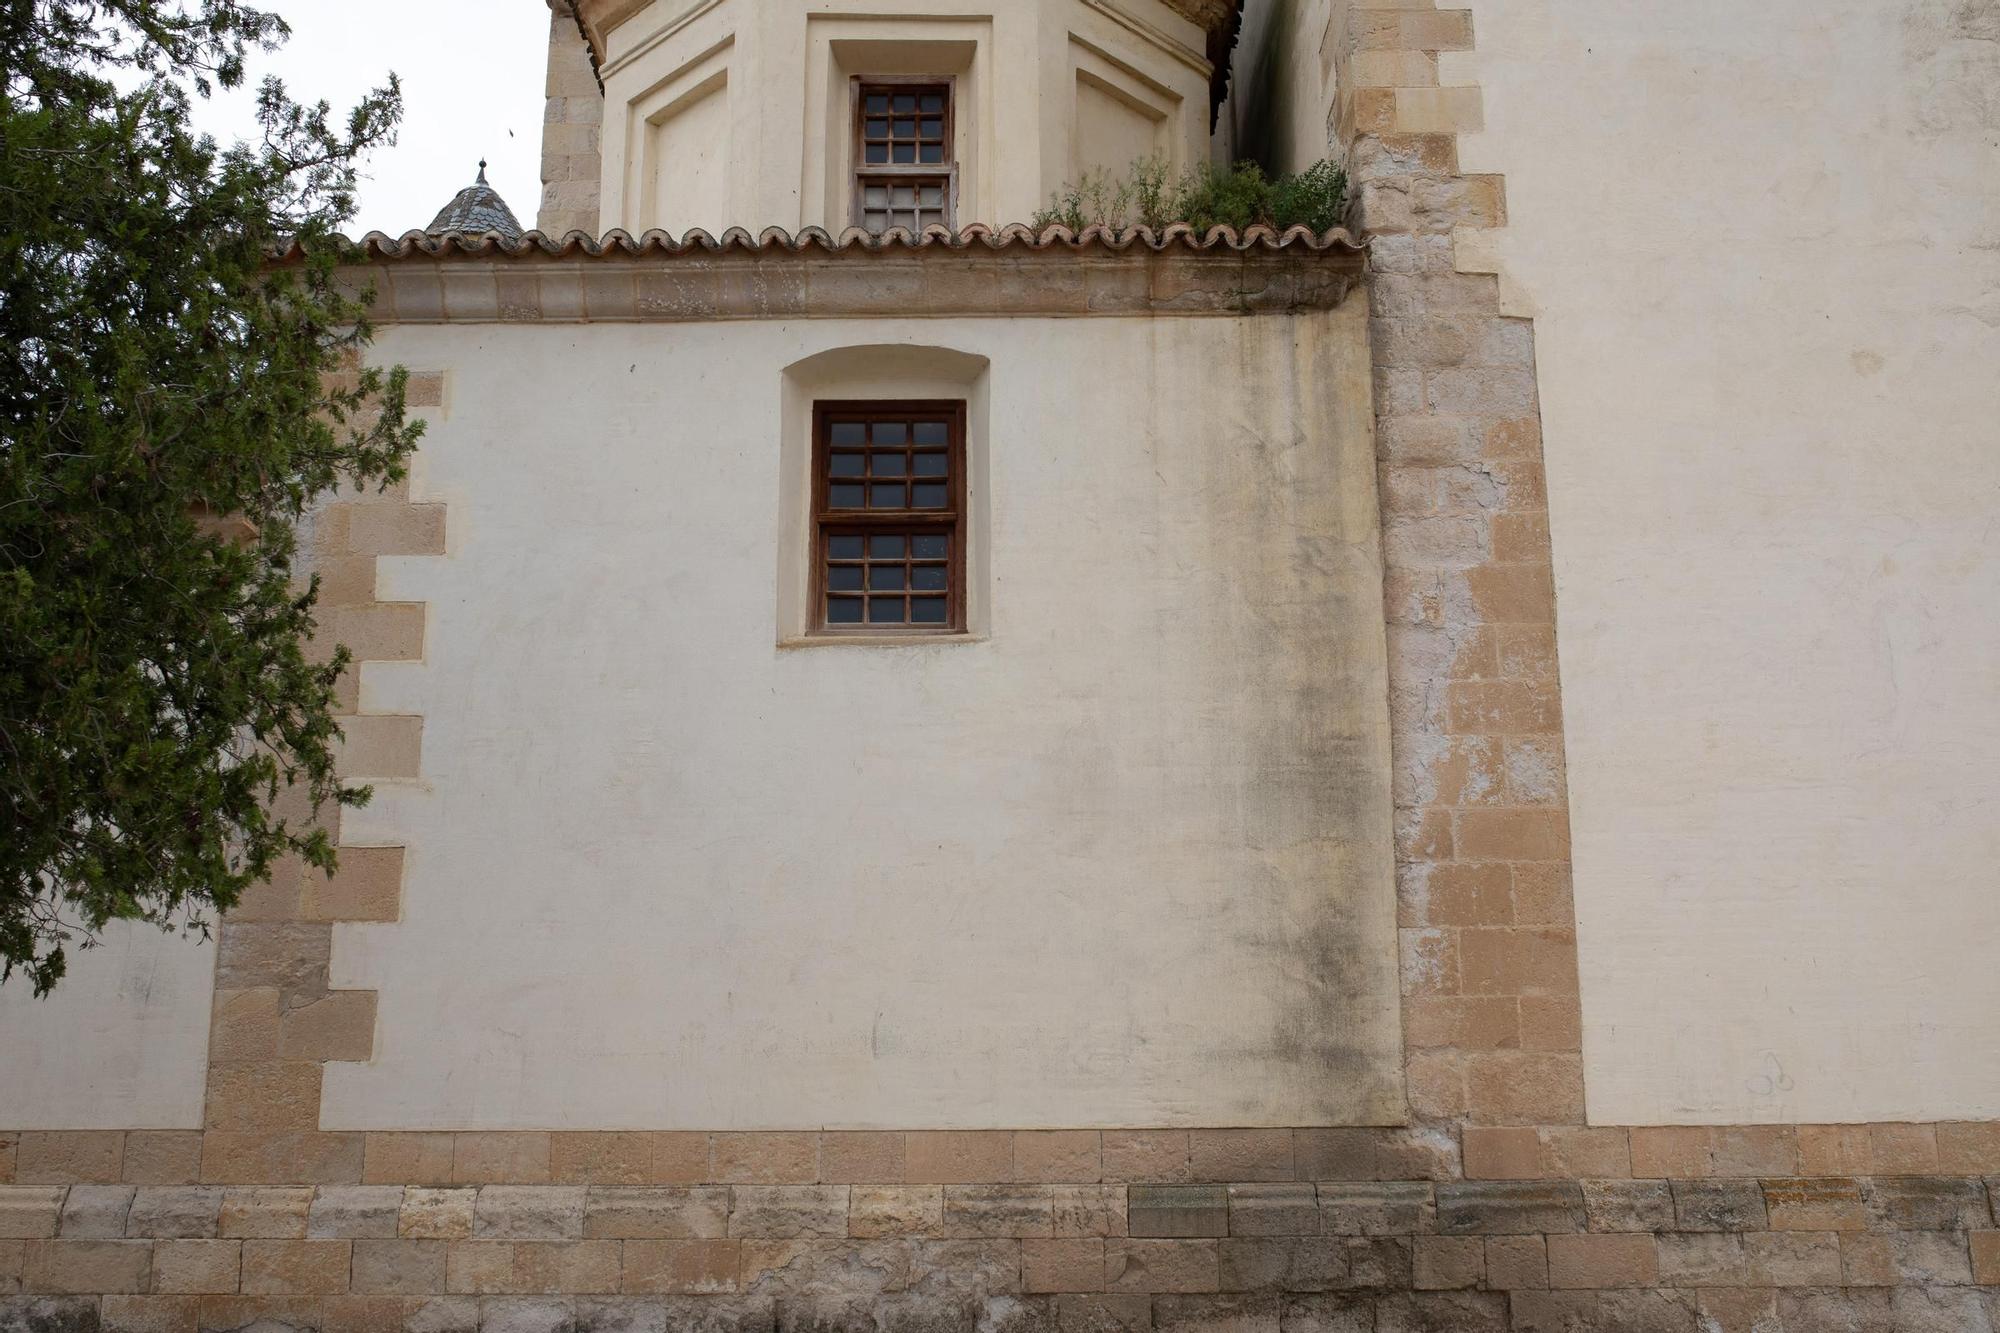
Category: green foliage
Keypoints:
(1315, 198)
(1207, 196)
(156, 693)
(1237, 196)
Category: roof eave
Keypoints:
(979, 271)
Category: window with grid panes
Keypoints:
(904, 175)
(888, 506)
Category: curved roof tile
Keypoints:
(497, 242)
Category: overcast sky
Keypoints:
(472, 87)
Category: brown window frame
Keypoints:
(859, 86)
(830, 522)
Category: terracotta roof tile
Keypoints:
(621, 244)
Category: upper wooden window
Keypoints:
(904, 171)
(888, 517)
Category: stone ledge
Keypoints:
(901, 284)
(1231, 1158)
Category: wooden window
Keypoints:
(888, 515)
(904, 173)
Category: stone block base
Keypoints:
(1683, 1255)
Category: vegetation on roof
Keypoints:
(1239, 196)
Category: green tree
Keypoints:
(157, 695)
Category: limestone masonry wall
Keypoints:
(1491, 1022)
(1203, 1230)
(571, 167)
(277, 1018)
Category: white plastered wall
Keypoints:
(1762, 247)
(1119, 858)
(121, 1043)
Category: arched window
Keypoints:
(885, 468)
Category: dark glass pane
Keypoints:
(890, 432)
(878, 154)
(926, 578)
(886, 497)
(906, 129)
(890, 465)
(885, 610)
(905, 103)
(846, 547)
(927, 611)
(930, 548)
(844, 497)
(933, 465)
(905, 153)
(933, 433)
(878, 129)
(931, 153)
(843, 610)
(844, 578)
(845, 465)
(885, 578)
(933, 129)
(878, 104)
(848, 432)
(886, 548)
(933, 104)
(930, 497)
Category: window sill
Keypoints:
(878, 640)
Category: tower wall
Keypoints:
(571, 131)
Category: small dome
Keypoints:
(477, 209)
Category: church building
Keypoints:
(955, 749)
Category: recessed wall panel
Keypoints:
(687, 157)
(1112, 132)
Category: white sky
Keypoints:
(472, 73)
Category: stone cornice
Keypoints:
(653, 278)
(599, 17)
(1209, 15)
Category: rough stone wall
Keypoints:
(570, 162)
(875, 1231)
